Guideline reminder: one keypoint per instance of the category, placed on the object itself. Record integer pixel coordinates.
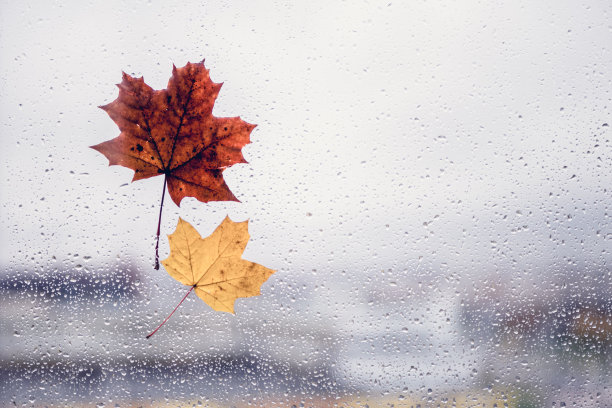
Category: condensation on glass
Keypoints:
(430, 180)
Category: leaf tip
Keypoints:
(176, 199)
(96, 147)
(227, 218)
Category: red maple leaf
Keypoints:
(173, 132)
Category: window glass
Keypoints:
(429, 179)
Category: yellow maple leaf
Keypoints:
(213, 266)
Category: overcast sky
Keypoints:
(468, 135)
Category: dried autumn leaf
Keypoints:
(213, 266)
(173, 132)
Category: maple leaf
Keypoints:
(213, 266)
(173, 132)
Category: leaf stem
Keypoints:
(177, 306)
(161, 206)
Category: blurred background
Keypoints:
(430, 179)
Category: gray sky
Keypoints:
(465, 134)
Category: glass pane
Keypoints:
(429, 179)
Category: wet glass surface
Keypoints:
(431, 181)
